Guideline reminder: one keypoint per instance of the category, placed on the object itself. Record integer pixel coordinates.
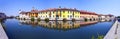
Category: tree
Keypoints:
(118, 17)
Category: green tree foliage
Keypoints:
(32, 19)
(47, 19)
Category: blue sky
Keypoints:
(11, 7)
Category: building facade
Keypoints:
(62, 13)
(59, 14)
(28, 15)
(24, 15)
(106, 17)
(2, 15)
(88, 15)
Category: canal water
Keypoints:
(119, 19)
(26, 29)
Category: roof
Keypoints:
(86, 12)
(105, 15)
(34, 11)
(50, 9)
(56, 9)
(23, 12)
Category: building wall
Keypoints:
(77, 15)
(2, 16)
(33, 14)
(89, 16)
(43, 15)
(24, 16)
(59, 14)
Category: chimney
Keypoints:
(59, 6)
(75, 8)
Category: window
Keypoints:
(63, 15)
(63, 11)
(56, 11)
(41, 13)
(57, 16)
(46, 15)
(53, 12)
(71, 12)
(53, 15)
(50, 11)
(60, 11)
(70, 16)
(68, 11)
(46, 12)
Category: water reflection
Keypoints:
(59, 25)
(88, 23)
(119, 19)
(107, 20)
(27, 29)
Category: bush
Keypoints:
(47, 19)
(38, 19)
(64, 20)
(24, 19)
(118, 17)
(91, 19)
(100, 37)
(32, 19)
(93, 37)
(86, 19)
(94, 19)
(73, 20)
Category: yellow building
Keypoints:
(59, 14)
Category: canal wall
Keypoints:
(114, 32)
(2, 33)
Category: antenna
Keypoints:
(59, 6)
(33, 8)
(19, 11)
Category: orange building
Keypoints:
(33, 13)
(29, 15)
(88, 15)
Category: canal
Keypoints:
(26, 29)
(119, 19)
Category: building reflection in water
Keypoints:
(58, 25)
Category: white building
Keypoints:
(24, 15)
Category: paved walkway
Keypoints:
(2, 33)
(114, 32)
